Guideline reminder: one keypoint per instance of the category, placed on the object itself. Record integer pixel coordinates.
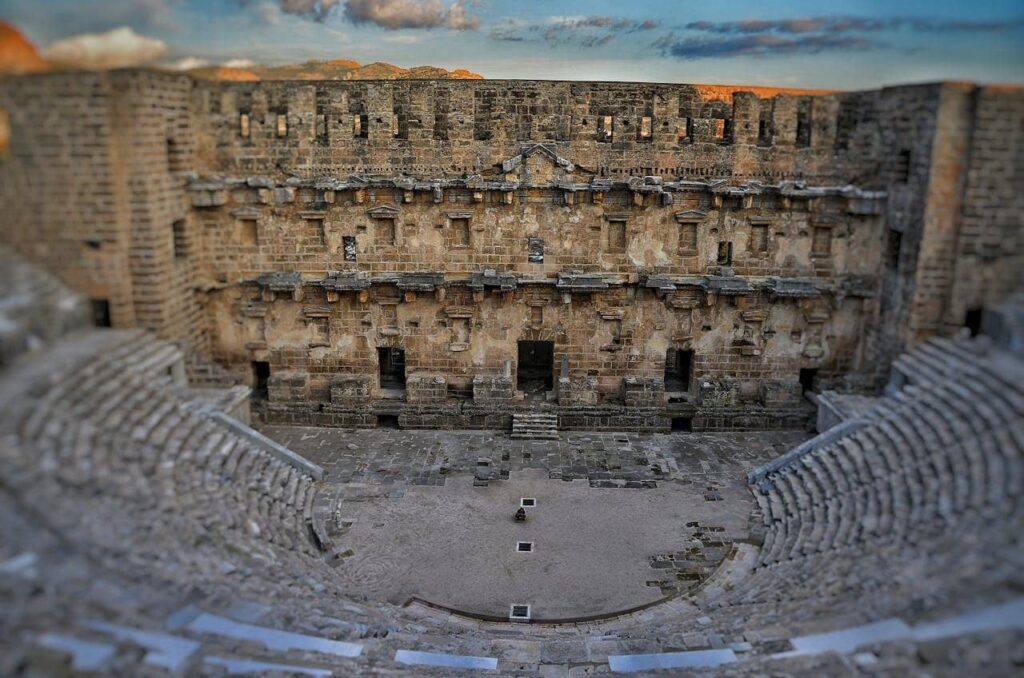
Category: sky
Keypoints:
(855, 44)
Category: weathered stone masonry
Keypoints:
(323, 240)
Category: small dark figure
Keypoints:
(521, 515)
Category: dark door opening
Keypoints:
(388, 421)
(972, 321)
(678, 365)
(391, 363)
(535, 370)
(682, 424)
(260, 377)
(807, 377)
(101, 313)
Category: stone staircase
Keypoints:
(536, 425)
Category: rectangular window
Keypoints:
(460, 231)
(764, 132)
(903, 166)
(282, 125)
(348, 245)
(646, 127)
(724, 253)
(759, 238)
(248, 234)
(688, 238)
(243, 125)
(821, 242)
(604, 131)
(616, 235)
(803, 129)
(396, 127)
(180, 239)
(683, 132)
(536, 251)
(360, 126)
(718, 130)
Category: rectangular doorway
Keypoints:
(678, 366)
(536, 367)
(260, 378)
(391, 365)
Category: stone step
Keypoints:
(537, 425)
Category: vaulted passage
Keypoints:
(535, 371)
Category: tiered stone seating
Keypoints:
(904, 516)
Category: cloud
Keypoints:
(311, 9)
(762, 45)
(187, 64)
(587, 31)
(119, 48)
(398, 14)
(804, 35)
(239, 63)
(846, 24)
(269, 12)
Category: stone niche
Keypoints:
(288, 387)
(643, 392)
(351, 389)
(426, 388)
(577, 392)
(489, 389)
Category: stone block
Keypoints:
(489, 389)
(426, 388)
(352, 389)
(577, 392)
(643, 392)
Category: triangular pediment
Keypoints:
(539, 164)
(383, 212)
(690, 215)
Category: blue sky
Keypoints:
(848, 45)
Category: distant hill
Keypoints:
(337, 69)
(17, 54)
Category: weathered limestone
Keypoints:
(442, 223)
